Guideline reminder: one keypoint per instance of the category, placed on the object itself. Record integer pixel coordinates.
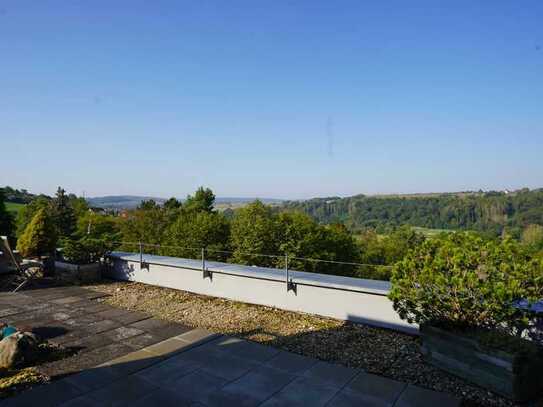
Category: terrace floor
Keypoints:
(127, 358)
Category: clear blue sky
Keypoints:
(271, 98)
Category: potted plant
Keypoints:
(80, 262)
(464, 292)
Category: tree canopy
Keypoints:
(202, 200)
(491, 213)
(39, 237)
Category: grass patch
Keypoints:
(14, 207)
(428, 232)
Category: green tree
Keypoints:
(254, 230)
(462, 280)
(98, 226)
(148, 204)
(79, 205)
(194, 230)
(63, 214)
(301, 237)
(172, 204)
(6, 220)
(147, 226)
(203, 200)
(27, 213)
(338, 245)
(39, 237)
(532, 237)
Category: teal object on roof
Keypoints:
(8, 331)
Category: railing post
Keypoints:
(291, 285)
(141, 254)
(205, 272)
(286, 269)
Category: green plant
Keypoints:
(85, 250)
(39, 237)
(463, 281)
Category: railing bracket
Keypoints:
(292, 286)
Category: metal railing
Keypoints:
(226, 256)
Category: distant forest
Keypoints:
(489, 212)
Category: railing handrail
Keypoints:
(276, 256)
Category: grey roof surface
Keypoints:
(377, 287)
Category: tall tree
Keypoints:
(172, 204)
(254, 230)
(148, 204)
(203, 200)
(40, 236)
(63, 213)
(27, 212)
(194, 230)
(147, 226)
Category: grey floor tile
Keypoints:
(45, 395)
(414, 396)
(302, 392)
(291, 362)
(131, 317)
(198, 336)
(375, 387)
(82, 401)
(165, 373)
(252, 388)
(102, 326)
(92, 379)
(90, 342)
(133, 362)
(169, 330)
(331, 373)
(127, 390)
(149, 324)
(219, 363)
(66, 300)
(141, 341)
(197, 386)
(347, 398)
(162, 398)
(245, 349)
(167, 348)
(122, 333)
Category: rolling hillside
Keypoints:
(490, 212)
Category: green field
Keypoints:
(14, 207)
(431, 232)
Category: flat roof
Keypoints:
(377, 287)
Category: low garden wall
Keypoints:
(345, 298)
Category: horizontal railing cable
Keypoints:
(275, 256)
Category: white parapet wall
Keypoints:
(345, 298)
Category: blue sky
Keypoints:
(271, 99)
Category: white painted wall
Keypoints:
(344, 298)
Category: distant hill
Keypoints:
(490, 212)
(132, 201)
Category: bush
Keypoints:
(85, 250)
(39, 237)
(463, 281)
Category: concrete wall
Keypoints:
(338, 297)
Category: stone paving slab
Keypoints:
(74, 318)
(195, 367)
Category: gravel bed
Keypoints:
(380, 351)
